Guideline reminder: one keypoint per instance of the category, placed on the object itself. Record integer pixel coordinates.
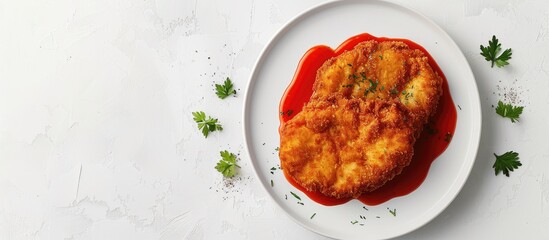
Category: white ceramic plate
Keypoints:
(330, 24)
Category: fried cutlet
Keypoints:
(358, 129)
(383, 70)
(344, 147)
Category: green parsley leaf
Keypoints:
(491, 51)
(509, 111)
(225, 90)
(506, 162)
(227, 164)
(372, 88)
(206, 124)
(393, 212)
(295, 195)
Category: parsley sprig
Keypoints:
(225, 90)
(509, 111)
(206, 124)
(490, 53)
(227, 164)
(506, 162)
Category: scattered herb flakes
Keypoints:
(362, 217)
(372, 88)
(347, 85)
(407, 94)
(227, 164)
(286, 196)
(381, 57)
(206, 124)
(277, 148)
(354, 222)
(447, 137)
(289, 112)
(361, 224)
(459, 107)
(300, 203)
(506, 162)
(393, 212)
(491, 51)
(393, 91)
(295, 195)
(365, 208)
(509, 111)
(378, 217)
(225, 90)
(363, 75)
(350, 65)
(272, 183)
(312, 216)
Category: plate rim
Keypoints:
(476, 126)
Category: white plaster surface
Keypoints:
(97, 139)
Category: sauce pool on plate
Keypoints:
(434, 139)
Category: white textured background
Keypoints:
(97, 139)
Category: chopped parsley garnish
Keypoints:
(277, 148)
(506, 162)
(289, 112)
(272, 183)
(509, 111)
(300, 203)
(354, 222)
(312, 216)
(227, 164)
(362, 217)
(206, 124)
(225, 90)
(372, 88)
(393, 91)
(353, 76)
(407, 94)
(491, 51)
(295, 195)
(393, 212)
(381, 57)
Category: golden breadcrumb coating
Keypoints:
(344, 147)
(385, 70)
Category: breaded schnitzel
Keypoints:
(344, 147)
(358, 129)
(383, 70)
